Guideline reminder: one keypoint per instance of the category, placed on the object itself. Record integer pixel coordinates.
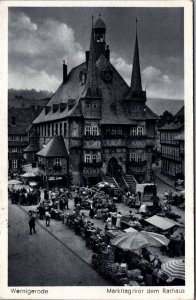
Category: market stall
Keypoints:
(146, 191)
(162, 224)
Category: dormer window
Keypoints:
(88, 105)
(95, 106)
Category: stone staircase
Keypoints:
(112, 180)
(130, 181)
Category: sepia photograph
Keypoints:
(96, 137)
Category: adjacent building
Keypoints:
(172, 146)
(19, 127)
(107, 128)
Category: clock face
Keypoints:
(107, 77)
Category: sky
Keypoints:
(40, 38)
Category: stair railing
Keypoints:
(116, 182)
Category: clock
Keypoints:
(107, 76)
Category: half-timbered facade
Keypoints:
(106, 125)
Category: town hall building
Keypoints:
(104, 127)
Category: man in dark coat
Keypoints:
(32, 224)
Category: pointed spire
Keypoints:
(92, 75)
(136, 83)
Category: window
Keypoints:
(95, 130)
(107, 131)
(57, 161)
(87, 158)
(52, 129)
(119, 131)
(48, 129)
(140, 130)
(65, 129)
(95, 106)
(14, 164)
(132, 156)
(140, 157)
(133, 131)
(94, 158)
(87, 130)
(13, 138)
(88, 105)
(61, 129)
(113, 130)
(56, 129)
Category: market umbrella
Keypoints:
(174, 268)
(135, 240)
(33, 183)
(28, 175)
(105, 184)
(159, 237)
(14, 182)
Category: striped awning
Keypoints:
(174, 268)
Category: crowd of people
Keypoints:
(25, 196)
(79, 208)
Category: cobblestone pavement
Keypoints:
(46, 258)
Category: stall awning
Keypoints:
(141, 186)
(162, 223)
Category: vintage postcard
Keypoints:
(96, 184)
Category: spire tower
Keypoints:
(136, 83)
(92, 87)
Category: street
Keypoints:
(42, 260)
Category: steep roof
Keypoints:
(92, 84)
(71, 89)
(54, 148)
(136, 82)
(150, 115)
(177, 123)
(99, 23)
(32, 148)
(18, 129)
(111, 92)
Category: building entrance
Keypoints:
(114, 169)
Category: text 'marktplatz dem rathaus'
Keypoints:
(96, 127)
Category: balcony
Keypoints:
(137, 163)
(75, 142)
(137, 137)
(114, 142)
(57, 168)
(92, 165)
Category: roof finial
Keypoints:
(92, 20)
(99, 15)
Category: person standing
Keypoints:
(47, 216)
(118, 220)
(32, 224)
